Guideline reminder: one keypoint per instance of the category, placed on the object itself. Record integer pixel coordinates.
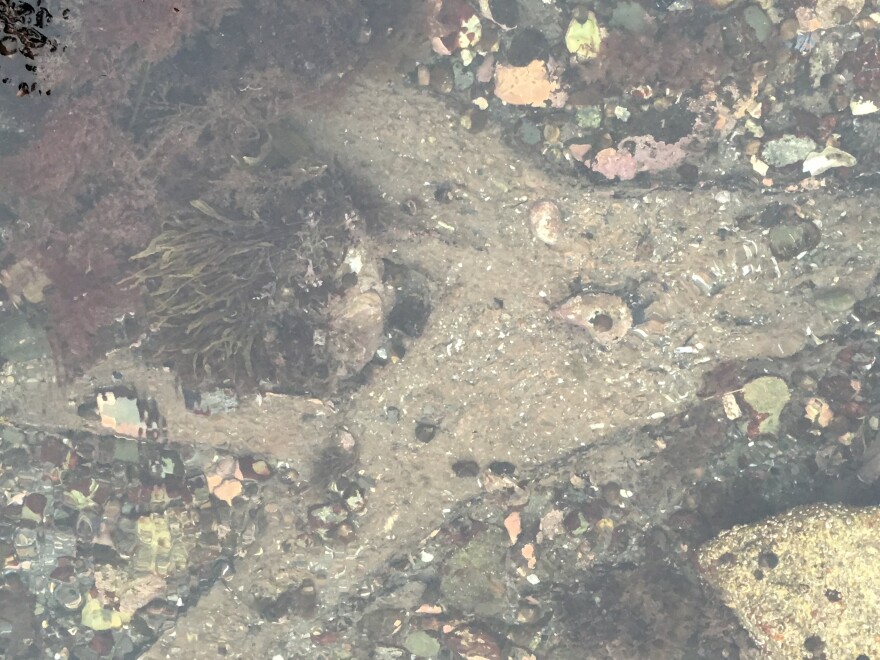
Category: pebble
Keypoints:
(835, 300)
(788, 240)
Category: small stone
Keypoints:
(425, 431)
(529, 133)
(835, 300)
(94, 616)
(584, 38)
(325, 516)
(24, 280)
(462, 78)
(473, 581)
(423, 75)
(513, 525)
(389, 653)
(630, 16)
(358, 318)
(502, 12)
(228, 490)
(788, 240)
(120, 414)
(759, 166)
(422, 644)
(441, 77)
(552, 133)
(759, 22)
(826, 14)
(531, 85)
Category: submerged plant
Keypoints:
(241, 295)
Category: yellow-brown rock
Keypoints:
(805, 581)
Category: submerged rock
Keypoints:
(790, 239)
(806, 580)
(474, 575)
(787, 150)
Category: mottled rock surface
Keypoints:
(806, 581)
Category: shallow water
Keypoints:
(374, 329)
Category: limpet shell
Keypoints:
(545, 218)
(605, 317)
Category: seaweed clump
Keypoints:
(241, 295)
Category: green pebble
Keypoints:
(422, 644)
(835, 299)
(759, 22)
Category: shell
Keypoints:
(545, 218)
(357, 318)
(606, 318)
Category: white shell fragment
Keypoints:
(818, 162)
(545, 218)
(731, 407)
(606, 318)
(859, 107)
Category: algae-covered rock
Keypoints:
(94, 616)
(584, 38)
(421, 644)
(789, 239)
(759, 21)
(767, 396)
(474, 582)
(835, 299)
(630, 16)
(787, 150)
(161, 544)
(806, 580)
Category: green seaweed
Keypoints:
(219, 284)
